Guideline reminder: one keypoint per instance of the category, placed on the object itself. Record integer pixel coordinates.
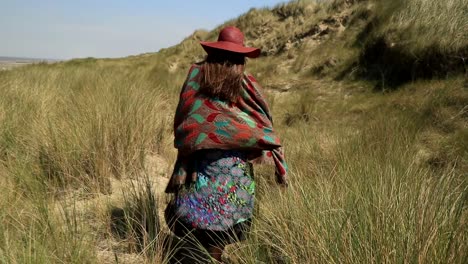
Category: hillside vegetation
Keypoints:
(369, 97)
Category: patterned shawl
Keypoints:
(206, 123)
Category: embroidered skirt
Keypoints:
(222, 198)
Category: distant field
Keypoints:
(11, 62)
(5, 65)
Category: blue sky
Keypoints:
(64, 29)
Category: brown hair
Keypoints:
(222, 74)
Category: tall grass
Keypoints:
(375, 177)
(81, 123)
(419, 24)
(30, 231)
(409, 40)
(74, 125)
(364, 201)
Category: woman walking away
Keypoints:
(222, 124)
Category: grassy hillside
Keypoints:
(369, 97)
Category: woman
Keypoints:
(222, 124)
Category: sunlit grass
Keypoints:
(375, 177)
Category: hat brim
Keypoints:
(229, 46)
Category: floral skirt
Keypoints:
(222, 197)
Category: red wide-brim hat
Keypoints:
(231, 39)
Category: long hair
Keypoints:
(222, 74)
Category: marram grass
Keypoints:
(375, 177)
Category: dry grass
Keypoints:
(376, 177)
(358, 195)
(74, 125)
(419, 25)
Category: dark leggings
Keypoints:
(210, 238)
(193, 241)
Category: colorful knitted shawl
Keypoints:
(205, 123)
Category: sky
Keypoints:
(65, 29)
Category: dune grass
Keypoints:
(419, 25)
(375, 177)
(70, 126)
(77, 122)
(359, 199)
